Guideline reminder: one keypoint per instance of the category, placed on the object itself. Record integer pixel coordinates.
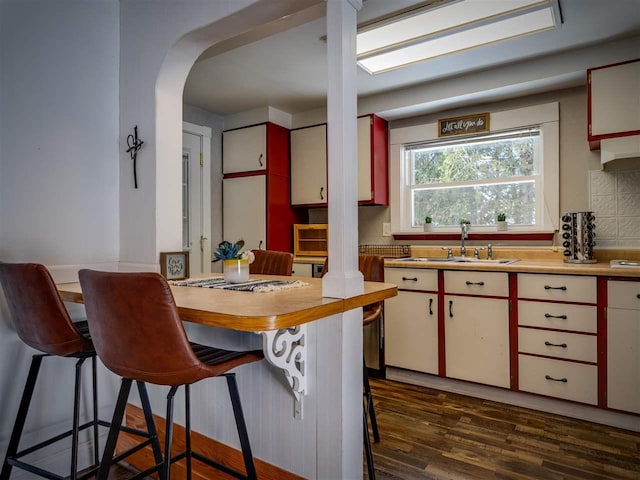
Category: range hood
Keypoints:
(618, 148)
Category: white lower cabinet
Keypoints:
(301, 270)
(558, 378)
(476, 334)
(411, 326)
(623, 346)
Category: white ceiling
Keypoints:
(287, 70)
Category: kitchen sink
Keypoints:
(501, 261)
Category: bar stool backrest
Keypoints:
(136, 329)
(372, 269)
(271, 262)
(39, 315)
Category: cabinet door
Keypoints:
(309, 166)
(244, 150)
(477, 339)
(614, 100)
(623, 346)
(365, 190)
(301, 270)
(244, 211)
(411, 331)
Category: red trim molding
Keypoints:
(513, 236)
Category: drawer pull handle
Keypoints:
(549, 344)
(406, 279)
(548, 315)
(474, 283)
(321, 193)
(260, 160)
(451, 308)
(549, 287)
(431, 306)
(549, 377)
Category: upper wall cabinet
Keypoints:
(309, 166)
(373, 161)
(613, 101)
(309, 163)
(245, 149)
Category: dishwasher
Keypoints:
(373, 335)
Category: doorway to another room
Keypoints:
(196, 196)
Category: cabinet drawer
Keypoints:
(624, 295)
(561, 316)
(495, 284)
(412, 278)
(564, 288)
(537, 374)
(573, 346)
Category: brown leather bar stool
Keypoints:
(372, 269)
(138, 335)
(42, 322)
(271, 262)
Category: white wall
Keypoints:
(58, 170)
(58, 131)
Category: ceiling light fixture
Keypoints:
(443, 28)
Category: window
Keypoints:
(475, 179)
(512, 170)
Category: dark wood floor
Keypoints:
(430, 434)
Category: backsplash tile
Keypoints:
(614, 198)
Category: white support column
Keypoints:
(338, 367)
(343, 278)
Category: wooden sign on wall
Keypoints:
(476, 123)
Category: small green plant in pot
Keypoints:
(427, 223)
(502, 222)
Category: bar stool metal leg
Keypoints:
(370, 410)
(27, 394)
(367, 447)
(112, 438)
(241, 426)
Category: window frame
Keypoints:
(545, 117)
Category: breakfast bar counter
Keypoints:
(257, 312)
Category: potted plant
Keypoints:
(502, 222)
(235, 262)
(427, 224)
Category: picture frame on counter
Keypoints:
(174, 265)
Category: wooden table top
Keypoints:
(253, 311)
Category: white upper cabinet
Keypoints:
(614, 100)
(244, 149)
(309, 166)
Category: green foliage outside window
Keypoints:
(474, 180)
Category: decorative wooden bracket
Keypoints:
(286, 349)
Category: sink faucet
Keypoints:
(465, 234)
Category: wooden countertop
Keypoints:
(525, 266)
(252, 312)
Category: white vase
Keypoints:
(236, 271)
(426, 227)
(501, 226)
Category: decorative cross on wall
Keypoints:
(134, 144)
